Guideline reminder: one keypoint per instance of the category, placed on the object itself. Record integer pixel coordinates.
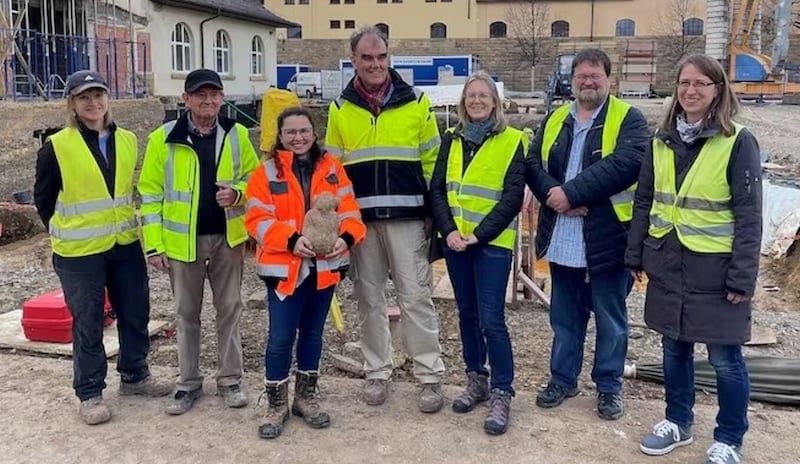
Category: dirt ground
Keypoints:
(26, 271)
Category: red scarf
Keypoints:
(374, 99)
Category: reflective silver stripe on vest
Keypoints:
(349, 214)
(344, 191)
(355, 156)
(481, 192)
(332, 264)
(147, 199)
(476, 218)
(703, 204)
(621, 198)
(234, 212)
(237, 157)
(261, 230)
(335, 151)
(271, 171)
(255, 203)
(175, 226)
(273, 270)
(93, 206)
(173, 196)
(662, 197)
(151, 219)
(658, 222)
(391, 201)
(170, 194)
(723, 230)
(453, 187)
(435, 141)
(92, 232)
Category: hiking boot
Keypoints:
(553, 395)
(182, 401)
(376, 391)
(430, 398)
(277, 409)
(150, 386)
(609, 406)
(665, 437)
(476, 392)
(306, 400)
(496, 422)
(233, 395)
(722, 453)
(93, 411)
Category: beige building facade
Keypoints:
(478, 19)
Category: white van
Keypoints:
(305, 84)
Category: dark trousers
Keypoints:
(479, 276)
(573, 298)
(123, 272)
(733, 387)
(300, 315)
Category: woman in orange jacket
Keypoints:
(300, 282)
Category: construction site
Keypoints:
(38, 403)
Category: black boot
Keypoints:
(306, 400)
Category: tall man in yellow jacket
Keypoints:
(192, 185)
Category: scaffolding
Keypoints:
(44, 41)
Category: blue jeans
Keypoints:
(121, 270)
(301, 314)
(573, 299)
(479, 276)
(733, 387)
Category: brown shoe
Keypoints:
(376, 391)
(277, 409)
(476, 392)
(430, 398)
(306, 400)
(150, 386)
(93, 411)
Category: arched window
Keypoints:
(559, 29)
(257, 57)
(181, 48)
(222, 52)
(438, 31)
(693, 26)
(497, 29)
(625, 28)
(383, 28)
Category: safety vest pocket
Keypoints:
(278, 187)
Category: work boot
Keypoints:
(93, 411)
(476, 392)
(553, 395)
(233, 395)
(610, 406)
(496, 422)
(277, 409)
(150, 386)
(430, 398)
(306, 400)
(376, 391)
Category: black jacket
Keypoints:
(504, 211)
(686, 292)
(48, 183)
(600, 178)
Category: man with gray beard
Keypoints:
(582, 167)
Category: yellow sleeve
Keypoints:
(429, 139)
(151, 189)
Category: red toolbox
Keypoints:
(46, 318)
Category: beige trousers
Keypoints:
(222, 265)
(402, 247)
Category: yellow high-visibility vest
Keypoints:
(700, 211)
(87, 220)
(473, 195)
(615, 115)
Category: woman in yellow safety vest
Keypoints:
(696, 234)
(477, 190)
(84, 195)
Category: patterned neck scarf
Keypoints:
(374, 99)
(688, 131)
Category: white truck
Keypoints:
(306, 84)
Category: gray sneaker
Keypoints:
(665, 437)
(721, 453)
(182, 402)
(376, 391)
(430, 397)
(233, 395)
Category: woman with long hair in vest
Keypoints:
(84, 195)
(696, 234)
(477, 190)
(300, 279)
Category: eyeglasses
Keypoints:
(303, 132)
(696, 84)
(588, 77)
(477, 96)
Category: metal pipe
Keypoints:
(132, 42)
(591, 24)
(202, 38)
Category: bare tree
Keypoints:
(530, 26)
(768, 26)
(678, 41)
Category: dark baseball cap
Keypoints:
(80, 81)
(200, 78)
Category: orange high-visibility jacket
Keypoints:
(275, 212)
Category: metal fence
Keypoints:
(36, 65)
